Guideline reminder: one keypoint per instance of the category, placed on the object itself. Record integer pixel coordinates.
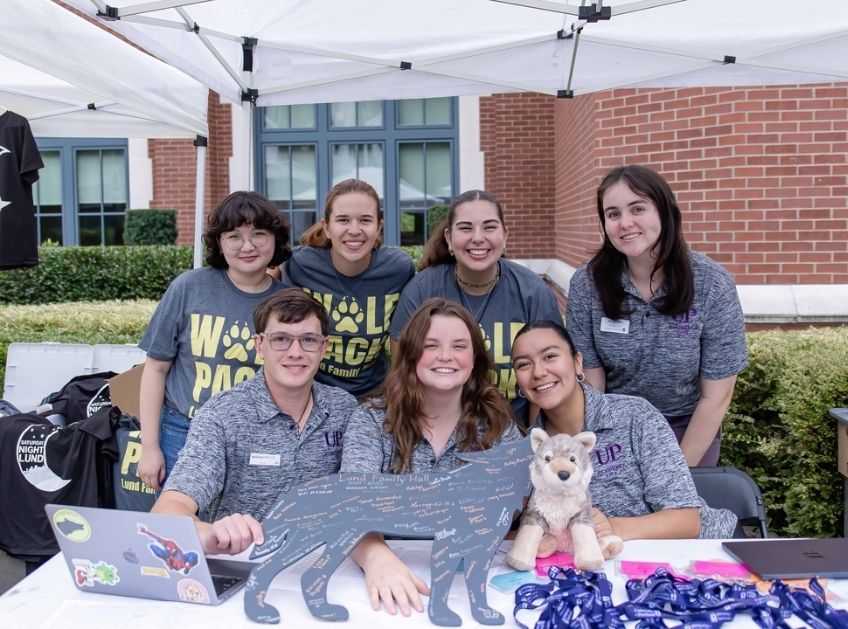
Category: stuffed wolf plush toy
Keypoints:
(559, 514)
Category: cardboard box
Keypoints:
(125, 388)
(841, 415)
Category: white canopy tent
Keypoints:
(276, 52)
(292, 51)
(70, 78)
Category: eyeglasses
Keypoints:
(282, 342)
(235, 240)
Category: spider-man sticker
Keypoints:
(175, 558)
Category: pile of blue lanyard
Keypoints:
(584, 600)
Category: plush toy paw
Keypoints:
(521, 562)
(611, 545)
(590, 559)
(547, 547)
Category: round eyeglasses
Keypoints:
(282, 342)
(235, 240)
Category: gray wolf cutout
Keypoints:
(466, 512)
(559, 514)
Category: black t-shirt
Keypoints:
(41, 463)
(19, 164)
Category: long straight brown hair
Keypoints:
(403, 397)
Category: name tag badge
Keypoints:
(267, 460)
(616, 326)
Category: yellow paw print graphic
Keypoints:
(347, 317)
(486, 340)
(238, 342)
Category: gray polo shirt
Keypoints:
(655, 356)
(368, 449)
(243, 449)
(639, 468)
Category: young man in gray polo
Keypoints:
(250, 444)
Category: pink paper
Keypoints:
(726, 569)
(563, 560)
(642, 569)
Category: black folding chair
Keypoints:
(732, 489)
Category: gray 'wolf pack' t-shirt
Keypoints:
(360, 310)
(659, 357)
(204, 325)
(520, 296)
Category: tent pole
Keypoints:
(200, 143)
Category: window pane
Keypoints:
(114, 230)
(412, 228)
(342, 115)
(115, 180)
(301, 221)
(89, 230)
(51, 229)
(438, 111)
(277, 175)
(438, 164)
(88, 179)
(359, 161)
(411, 158)
(302, 116)
(48, 189)
(410, 112)
(370, 113)
(304, 177)
(277, 117)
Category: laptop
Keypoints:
(145, 555)
(793, 558)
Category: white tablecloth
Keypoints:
(48, 598)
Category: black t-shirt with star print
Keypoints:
(19, 164)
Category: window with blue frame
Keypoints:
(82, 194)
(407, 150)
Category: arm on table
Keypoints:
(387, 578)
(229, 535)
(151, 466)
(666, 524)
(707, 418)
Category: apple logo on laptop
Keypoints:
(812, 554)
(130, 556)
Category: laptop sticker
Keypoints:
(86, 573)
(72, 525)
(174, 557)
(154, 571)
(192, 591)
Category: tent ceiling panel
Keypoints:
(54, 64)
(352, 49)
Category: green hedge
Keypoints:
(150, 227)
(778, 429)
(95, 274)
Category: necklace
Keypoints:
(492, 281)
(303, 415)
(479, 312)
(349, 295)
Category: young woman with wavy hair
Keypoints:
(359, 282)
(437, 401)
(655, 319)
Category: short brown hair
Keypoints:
(289, 305)
(244, 208)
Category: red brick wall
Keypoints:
(175, 170)
(517, 138)
(761, 173)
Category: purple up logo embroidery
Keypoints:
(606, 463)
(333, 439)
(683, 323)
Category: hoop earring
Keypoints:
(520, 393)
(581, 377)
